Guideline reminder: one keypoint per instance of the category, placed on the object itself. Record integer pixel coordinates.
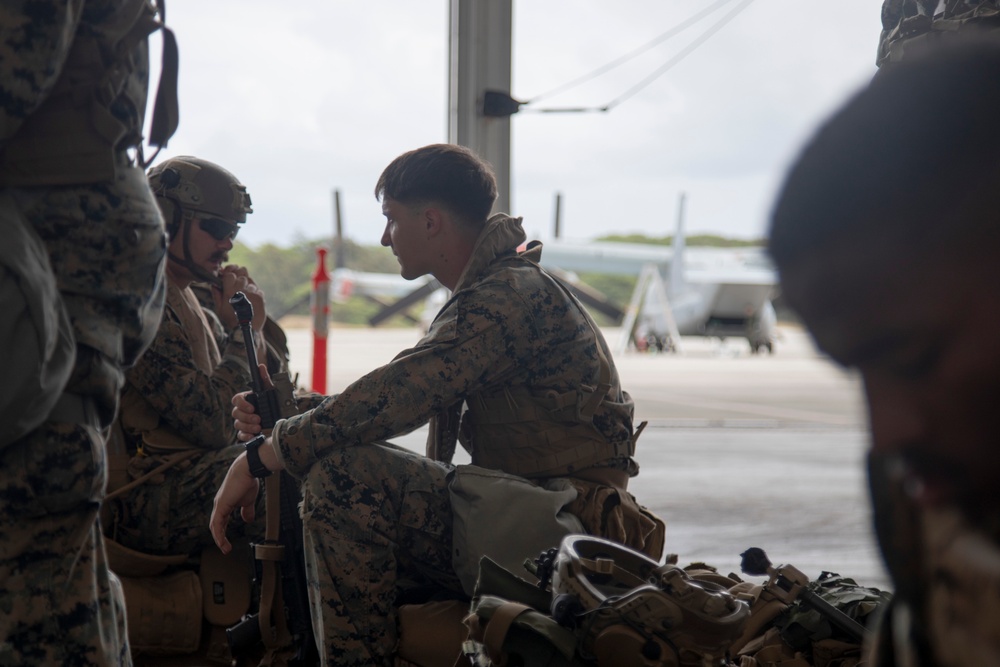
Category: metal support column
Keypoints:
(479, 59)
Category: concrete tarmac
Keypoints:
(741, 450)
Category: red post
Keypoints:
(319, 306)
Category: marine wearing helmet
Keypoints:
(190, 189)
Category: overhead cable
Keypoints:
(680, 27)
(678, 57)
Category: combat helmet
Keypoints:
(631, 611)
(186, 187)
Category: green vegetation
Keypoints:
(699, 240)
(285, 274)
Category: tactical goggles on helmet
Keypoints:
(218, 228)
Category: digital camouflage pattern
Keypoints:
(175, 401)
(59, 604)
(375, 518)
(178, 397)
(506, 325)
(916, 21)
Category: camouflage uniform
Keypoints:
(908, 24)
(177, 399)
(75, 188)
(375, 517)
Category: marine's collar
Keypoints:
(501, 236)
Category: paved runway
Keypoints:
(740, 451)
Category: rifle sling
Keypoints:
(169, 463)
(273, 626)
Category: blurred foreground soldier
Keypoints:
(543, 402)
(887, 234)
(81, 295)
(911, 26)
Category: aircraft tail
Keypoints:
(677, 257)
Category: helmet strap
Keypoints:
(200, 274)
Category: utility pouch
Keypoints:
(164, 613)
(225, 584)
(506, 518)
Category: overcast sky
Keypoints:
(302, 97)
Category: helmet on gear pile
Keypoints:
(632, 611)
(191, 185)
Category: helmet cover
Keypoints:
(197, 185)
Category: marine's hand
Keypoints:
(245, 420)
(245, 417)
(236, 279)
(238, 489)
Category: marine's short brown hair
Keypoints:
(447, 174)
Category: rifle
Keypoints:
(283, 621)
(788, 584)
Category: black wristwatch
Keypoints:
(257, 467)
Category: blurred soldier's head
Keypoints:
(887, 238)
(203, 206)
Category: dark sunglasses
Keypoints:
(218, 229)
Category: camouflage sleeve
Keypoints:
(307, 400)
(218, 329)
(35, 39)
(194, 404)
(483, 338)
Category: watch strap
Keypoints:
(257, 467)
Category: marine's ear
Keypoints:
(434, 219)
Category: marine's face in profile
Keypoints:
(406, 234)
(924, 331)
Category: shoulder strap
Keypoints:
(497, 628)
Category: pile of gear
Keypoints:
(599, 603)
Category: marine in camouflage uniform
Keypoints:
(73, 83)
(886, 235)
(177, 400)
(543, 398)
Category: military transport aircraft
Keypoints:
(716, 292)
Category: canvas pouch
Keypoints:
(505, 518)
(164, 613)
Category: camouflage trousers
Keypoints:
(169, 513)
(375, 519)
(59, 604)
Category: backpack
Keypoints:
(696, 617)
(600, 603)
